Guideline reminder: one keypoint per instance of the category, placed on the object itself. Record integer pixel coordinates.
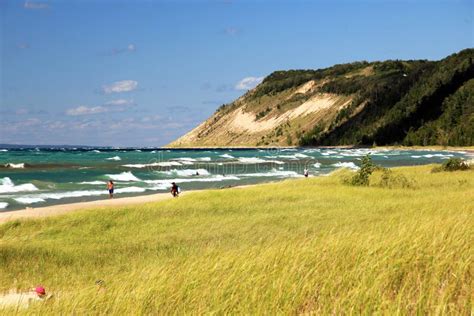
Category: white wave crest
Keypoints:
(186, 172)
(349, 165)
(3, 204)
(217, 178)
(124, 176)
(15, 165)
(93, 182)
(227, 156)
(252, 160)
(29, 200)
(154, 164)
(116, 158)
(317, 165)
(7, 186)
(4, 150)
(273, 173)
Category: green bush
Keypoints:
(361, 178)
(390, 180)
(452, 164)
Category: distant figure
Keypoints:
(174, 189)
(306, 172)
(110, 187)
(197, 173)
(22, 300)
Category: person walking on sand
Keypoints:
(306, 172)
(110, 187)
(174, 189)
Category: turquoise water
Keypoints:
(33, 177)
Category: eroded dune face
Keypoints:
(242, 125)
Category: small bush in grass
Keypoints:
(391, 180)
(452, 164)
(361, 178)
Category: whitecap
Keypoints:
(227, 156)
(155, 164)
(216, 178)
(93, 182)
(116, 158)
(95, 151)
(3, 204)
(7, 186)
(186, 172)
(349, 165)
(253, 160)
(124, 176)
(3, 150)
(272, 173)
(15, 165)
(317, 165)
(29, 200)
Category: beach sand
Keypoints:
(66, 208)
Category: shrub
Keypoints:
(391, 180)
(361, 178)
(452, 164)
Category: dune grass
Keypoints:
(298, 246)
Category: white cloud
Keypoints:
(248, 83)
(85, 110)
(33, 5)
(120, 86)
(120, 102)
(131, 48)
(110, 106)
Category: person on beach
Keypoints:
(24, 299)
(306, 172)
(110, 187)
(174, 189)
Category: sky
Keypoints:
(142, 73)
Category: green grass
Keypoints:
(298, 246)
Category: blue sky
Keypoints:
(142, 73)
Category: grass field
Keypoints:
(298, 246)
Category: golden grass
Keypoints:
(298, 246)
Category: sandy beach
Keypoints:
(66, 208)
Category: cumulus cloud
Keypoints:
(248, 83)
(85, 110)
(110, 106)
(120, 102)
(120, 86)
(35, 5)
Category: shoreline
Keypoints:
(59, 209)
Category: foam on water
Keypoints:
(252, 160)
(29, 200)
(93, 182)
(116, 158)
(154, 164)
(317, 165)
(349, 165)
(3, 150)
(3, 205)
(124, 176)
(7, 186)
(186, 172)
(272, 173)
(227, 156)
(15, 165)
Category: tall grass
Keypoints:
(298, 246)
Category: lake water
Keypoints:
(39, 177)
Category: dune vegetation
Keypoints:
(312, 245)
